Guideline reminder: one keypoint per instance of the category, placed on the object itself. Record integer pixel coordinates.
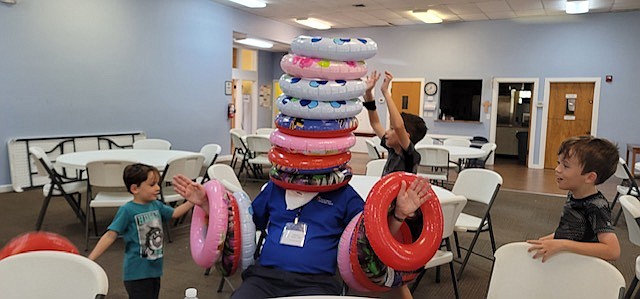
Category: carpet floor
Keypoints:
(517, 216)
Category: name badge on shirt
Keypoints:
(294, 234)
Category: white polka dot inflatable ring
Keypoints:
(344, 49)
(322, 90)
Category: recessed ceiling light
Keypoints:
(577, 6)
(428, 16)
(313, 23)
(258, 43)
(251, 3)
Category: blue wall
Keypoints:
(98, 66)
(566, 46)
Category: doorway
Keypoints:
(407, 95)
(570, 113)
(513, 119)
(245, 94)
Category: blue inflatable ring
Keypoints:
(315, 128)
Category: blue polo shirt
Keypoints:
(326, 217)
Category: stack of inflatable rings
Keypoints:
(321, 88)
(370, 258)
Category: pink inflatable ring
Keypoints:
(307, 67)
(312, 146)
(208, 233)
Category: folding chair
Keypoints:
(631, 207)
(107, 176)
(52, 274)
(516, 274)
(372, 150)
(259, 147)
(188, 166)
(628, 186)
(240, 150)
(210, 153)
(480, 186)
(375, 167)
(225, 175)
(451, 209)
(434, 163)
(159, 144)
(59, 185)
(488, 148)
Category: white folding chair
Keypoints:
(159, 144)
(240, 150)
(188, 165)
(488, 148)
(565, 275)
(225, 175)
(107, 176)
(481, 186)
(375, 167)
(631, 208)
(264, 131)
(457, 142)
(451, 209)
(58, 185)
(628, 185)
(210, 153)
(425, 141)
(372, 151)
(259, 147)
(434, 163)
(51, 274)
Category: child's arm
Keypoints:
(191, 191)
(181, 209)
(607, 247)
(408, 201)
(103, 244)
(394, 115)
(374, 120)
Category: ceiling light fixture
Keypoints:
(258, 43)
(251, 3)
(577, 6)
(427, 16)
(313, 23)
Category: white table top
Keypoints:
(442, 137)
(157, 158)
(460, 152)
(363, 183)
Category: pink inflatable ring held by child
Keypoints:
(208, 231)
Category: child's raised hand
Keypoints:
(190, 190)
(386, 82)
(371, 80)
(410, 198)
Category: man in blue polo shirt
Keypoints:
(299, 255)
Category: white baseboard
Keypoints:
(6, 188)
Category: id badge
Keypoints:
(294, 234)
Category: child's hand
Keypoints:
(545, 248)
(386, 82)
(371, 80)
(190, 190)
(410, 198)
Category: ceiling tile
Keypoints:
(530, 13)
(474, 17)
(493, 6)
(496, 15)
(465, 9)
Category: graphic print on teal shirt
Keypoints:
(149, 226)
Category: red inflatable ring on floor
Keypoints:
(34, 241)
(208, 231)
(279, 156)
(404, 257)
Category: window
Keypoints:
(460, 100)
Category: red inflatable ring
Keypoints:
(281, 157)
(404, 257)
(34, 241)
(233, 241)
(208, 233)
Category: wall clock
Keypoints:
(430, 88)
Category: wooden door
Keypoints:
(561, 124)
(406, 96)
